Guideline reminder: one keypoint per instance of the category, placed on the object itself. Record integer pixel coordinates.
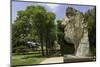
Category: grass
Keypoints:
(27, 59)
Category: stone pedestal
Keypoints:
(72, 58)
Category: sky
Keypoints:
(58, 9)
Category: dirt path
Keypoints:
(53, 60)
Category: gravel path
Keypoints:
(53, 60)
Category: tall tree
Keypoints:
(35, 23)
(90, 17)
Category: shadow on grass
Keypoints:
(31, 56)
(28, 53)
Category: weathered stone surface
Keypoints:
(71, 59)
(75, 30)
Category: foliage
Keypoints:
(34, 23)
(90, 17)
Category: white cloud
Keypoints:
(49, 7)
(53, 7)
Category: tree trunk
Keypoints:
(42, 49)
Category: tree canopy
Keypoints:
(34, 23)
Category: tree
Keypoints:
(35, 23)
(50, 34)
(90, 17)
(60, 35)
(20, 29)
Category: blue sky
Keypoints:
(58, 9)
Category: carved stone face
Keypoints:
(65, 21)
(69, 29)
(75, 30)
(73, 27)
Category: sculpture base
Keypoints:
(72, 58)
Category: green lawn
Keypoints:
(27, 59)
